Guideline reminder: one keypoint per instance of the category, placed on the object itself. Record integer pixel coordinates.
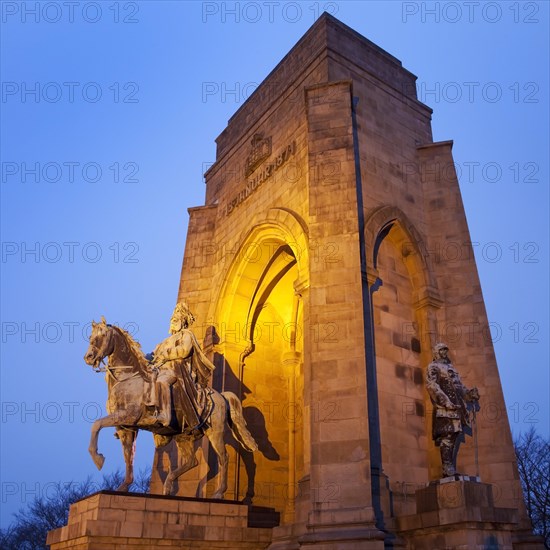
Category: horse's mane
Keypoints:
(134, 346)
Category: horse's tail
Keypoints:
(237, 423)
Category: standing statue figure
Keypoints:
(179, 360)
(449, 397)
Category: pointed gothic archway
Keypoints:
(404, 300)
(259, 317)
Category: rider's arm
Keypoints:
(169, 351)
(437, 395)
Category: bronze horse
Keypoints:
(128, 383)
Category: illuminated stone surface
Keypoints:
(117, 521)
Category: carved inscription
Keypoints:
(262, 174)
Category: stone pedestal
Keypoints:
(123, 521)
(458, 513)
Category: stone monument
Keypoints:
(314, 270)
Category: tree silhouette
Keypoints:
(533, 454)
(51, 510)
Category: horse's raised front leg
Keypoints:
(186, 459)
(105, 422)
(218, 444)
(128, 439)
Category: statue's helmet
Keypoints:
(437, 348)
(183, 313)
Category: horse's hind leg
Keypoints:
(186, 459)
(128, 439)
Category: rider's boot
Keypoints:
(163, 414)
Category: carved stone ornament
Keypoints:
(261, 149)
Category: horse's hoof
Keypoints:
(99, 460)
(167, 489)
(123, 487)
(217, 496)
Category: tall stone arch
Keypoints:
(404, 302)
(259, 311)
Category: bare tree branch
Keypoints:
(533, 456)
(51, 510)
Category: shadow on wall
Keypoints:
(225, 380)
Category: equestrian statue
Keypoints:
(165, 393)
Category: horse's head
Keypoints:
(101, 344)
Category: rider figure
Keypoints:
(179, 359)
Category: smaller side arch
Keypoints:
(378, 224)
(390, 222)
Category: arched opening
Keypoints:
(404, 302)
(400, 375)
(259, 356)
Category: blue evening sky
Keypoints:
(109, 114)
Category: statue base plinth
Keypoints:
(114, 521)
(458, 512)
(455, 477)
(454, 492)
